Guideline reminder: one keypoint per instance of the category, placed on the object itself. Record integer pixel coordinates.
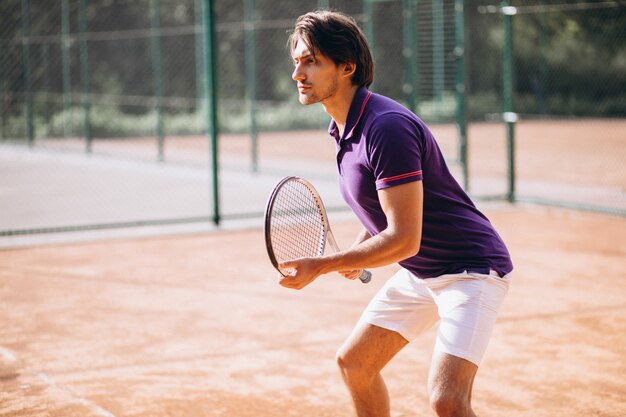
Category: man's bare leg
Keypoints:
(361, 358)
(450, 385)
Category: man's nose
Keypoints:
(297, 73)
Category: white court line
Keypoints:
(97, 409)
(7, 355)
(94, 407)
(10, 357)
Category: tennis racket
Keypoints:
(296, 224)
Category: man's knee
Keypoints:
(366, 352)
(345, 362)
(450, 385)
(447, 403)
(353, 370)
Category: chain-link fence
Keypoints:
(559, 69)
(136, 61)
(125, 81)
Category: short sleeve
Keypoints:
(395, 148)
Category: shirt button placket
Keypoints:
(339, 160)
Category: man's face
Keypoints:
(317, 77)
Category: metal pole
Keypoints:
(211, 94)
(250, 69)
(28, 79)
(459, 53)
(509, 117)
(409, 52)
(67, 82)
(155, 43)
(84, 75)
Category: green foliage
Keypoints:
(566, 63)
(109, 121)
(571, 63)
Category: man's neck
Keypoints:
(339, 106)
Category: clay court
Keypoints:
(134, 276)
(196, 325)
(193, 323)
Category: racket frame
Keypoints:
(329, 239)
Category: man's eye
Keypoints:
(306, 61)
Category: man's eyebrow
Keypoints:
(303, 55)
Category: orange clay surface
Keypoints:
(573, 161)
(580, 151)
(196, 325)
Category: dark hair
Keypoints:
(338, 37)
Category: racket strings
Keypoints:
(297, 227)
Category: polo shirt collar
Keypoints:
(361, 97)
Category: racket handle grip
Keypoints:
(366, 276)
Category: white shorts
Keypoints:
(466, 305)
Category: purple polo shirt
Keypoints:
(384, 144)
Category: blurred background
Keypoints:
(117, 113)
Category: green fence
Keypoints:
(145, 58)
(129, 80)
(558, 71)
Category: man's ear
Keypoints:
(348, 69)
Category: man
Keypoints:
(392, 174)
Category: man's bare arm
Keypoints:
(402, 205)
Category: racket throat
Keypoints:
(330, 240)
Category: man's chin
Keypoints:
(306, 100)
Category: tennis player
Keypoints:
(455, 268)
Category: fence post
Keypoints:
(211, 96)
(509, 117)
